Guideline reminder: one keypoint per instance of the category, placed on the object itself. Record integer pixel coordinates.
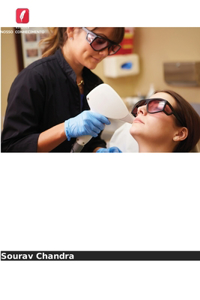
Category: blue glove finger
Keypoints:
(94, 121)
(95, 124)
(114, 150)
(109, 150)
(86, 123)
(100, 117)
(91, 130)
(75, 129)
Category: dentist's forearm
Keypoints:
(51, 138)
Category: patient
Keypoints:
(165, 123)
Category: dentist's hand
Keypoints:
(86, 123)
(109, 150)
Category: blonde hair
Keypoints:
(58, 36)
(56, 39)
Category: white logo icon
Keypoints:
(22, 15)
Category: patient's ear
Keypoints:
(181, 134)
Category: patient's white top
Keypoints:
(123, 139)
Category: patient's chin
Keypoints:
(132, 130)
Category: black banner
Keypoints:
(100, 255)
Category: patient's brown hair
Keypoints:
(189, 119)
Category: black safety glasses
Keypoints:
(99, 43)
(156, 105)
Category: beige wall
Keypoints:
(153, 45)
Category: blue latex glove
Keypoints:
(109, 150)
(86, 123)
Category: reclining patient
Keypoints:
(164, 123)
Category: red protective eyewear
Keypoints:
(156, 105)
(99, 43)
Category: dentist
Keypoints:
(47, 107)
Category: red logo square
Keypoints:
(22, 15)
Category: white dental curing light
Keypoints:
(105, 101)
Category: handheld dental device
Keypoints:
(104, 100)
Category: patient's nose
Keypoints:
(142, 109)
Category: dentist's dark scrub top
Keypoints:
(43, 95)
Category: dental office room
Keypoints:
(151, 59)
